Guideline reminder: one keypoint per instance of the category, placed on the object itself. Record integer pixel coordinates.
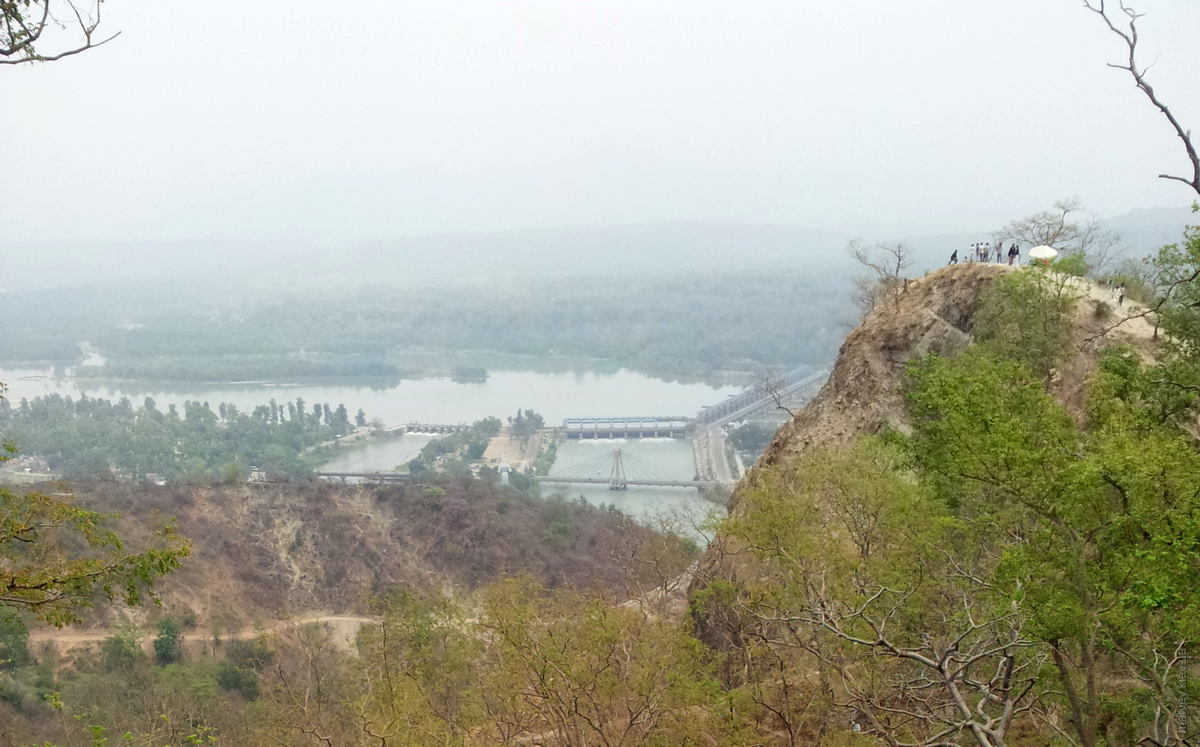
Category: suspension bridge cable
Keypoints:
(601, 464)
(638, 468)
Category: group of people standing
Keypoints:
(983, 251)
(1116, 287)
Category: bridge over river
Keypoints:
(619, 471)
(368, 477)
(707, 427)
(753, 402)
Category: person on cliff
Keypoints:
(954, 257)
(1014, 254)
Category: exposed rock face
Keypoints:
(932, 314)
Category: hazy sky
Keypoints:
(348, 121)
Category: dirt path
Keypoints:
(1129, 319)
(344, 629)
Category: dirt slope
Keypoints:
(262, 553)
(933, 314)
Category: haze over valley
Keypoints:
(623, 373)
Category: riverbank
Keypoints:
(556, 395)
(282, 372)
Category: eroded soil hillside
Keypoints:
(936, 314)
(273, 552)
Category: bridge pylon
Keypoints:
(616, 478)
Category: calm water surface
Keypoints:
(382, 455)
(655, 458)
(441, 400)
(437, 400)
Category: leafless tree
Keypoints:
(48, 30)
(1059, 228)
(1100, 246)
(971, 680)
(1122, 21)
(772, 385)
(1053, 228)
(885, 263)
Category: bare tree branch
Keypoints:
(887, 264)
(1128, 32)
(773, 386)
(23, 29)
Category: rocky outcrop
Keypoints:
(932, 314)
(864, 392)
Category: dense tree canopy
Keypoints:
(91, 437)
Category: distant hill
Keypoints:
(535, 254)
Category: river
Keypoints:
(681, 509)
(434, 400)
(382, 455)
(555, 395)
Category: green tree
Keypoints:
(419, 678)
(1177, 270)
(1101, 525)
(121, 651)
(340, 420)
(592, 673)
(58, 558)
(1027, 316)
(14, 640)
(849, 587)
(168, 643)
(526, 423)
(238, 679)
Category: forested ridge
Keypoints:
(194, 668)
(680, 324)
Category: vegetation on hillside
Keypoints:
(1016, 570)
(453, 454)
(57, 560)
(423, 667)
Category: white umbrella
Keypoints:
(1043, 252)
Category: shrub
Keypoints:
(238, 679)
(167, 649)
